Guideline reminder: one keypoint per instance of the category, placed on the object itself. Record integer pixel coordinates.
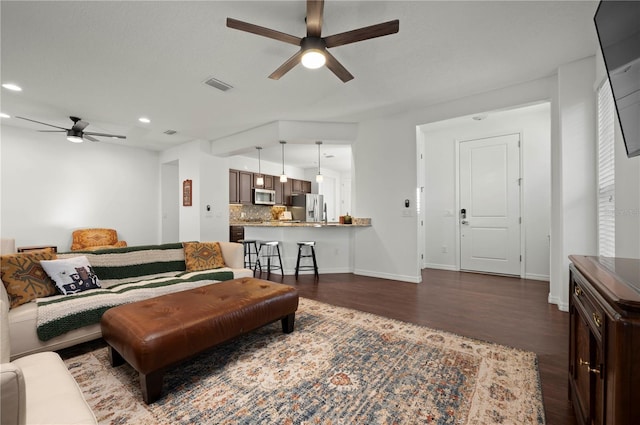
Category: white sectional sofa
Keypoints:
(153, 269)
(37, 389)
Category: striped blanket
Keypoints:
(126, 275)
(61, 313)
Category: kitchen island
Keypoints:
(334, 241)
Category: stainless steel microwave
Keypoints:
(264, 197)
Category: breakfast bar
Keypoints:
(334, 241)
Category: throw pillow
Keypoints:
(24, 278)
(72, 275)
(202, 256)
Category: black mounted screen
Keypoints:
(618, 27)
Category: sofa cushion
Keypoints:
(71, 275)
(24, 278)
(202, 256)
(52, 395)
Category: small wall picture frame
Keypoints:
(187, 187)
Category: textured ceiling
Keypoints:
(111, 62)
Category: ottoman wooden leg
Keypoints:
(151, 385)
(287, 323)
(114, 357)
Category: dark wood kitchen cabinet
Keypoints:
(287, 190)
(268, 181)
(279, 189)
(233, 187)
(604, 340)
(240, 184)
(236, 233)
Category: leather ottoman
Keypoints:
(154, 334)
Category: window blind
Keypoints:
(606, 172)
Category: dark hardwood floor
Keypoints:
(504, 310)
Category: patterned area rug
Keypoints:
(339, 366)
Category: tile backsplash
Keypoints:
(254, 212)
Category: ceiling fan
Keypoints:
(76, 133)
(313, 51)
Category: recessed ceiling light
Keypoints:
(3, 115)
(144, 120)
(13, 87)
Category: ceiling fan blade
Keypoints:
(79, 125)
(88, 133)
(314, 17)
(337, 68)
(361, 34)
(265, 32)
(43, 123)
(52, 131)
(287, 66)
(91, 139)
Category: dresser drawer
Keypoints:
(591, 310)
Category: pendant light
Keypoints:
(283, 176)
(260, 179)
(319, 176)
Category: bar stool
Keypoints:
(311, 252)
(250, 255)
(267, 250)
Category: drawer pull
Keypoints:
(577, 290)
(597, 319)
(588, 366)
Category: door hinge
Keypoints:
(518, 143)
(521, 258)
(519, 220)
(421, 222)
(422, 256)
(520, 181)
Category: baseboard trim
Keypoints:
(555, 300)
(449, 267)
(534, 276)
(403, 278)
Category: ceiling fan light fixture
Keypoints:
(75, 139)
(313, 59)
(74, 136)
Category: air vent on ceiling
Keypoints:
(220, 85)
(170, 132)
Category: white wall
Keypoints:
(170, 198)
(441, 218)
(386, 174)
(574, 175)
(247, 163)
(210, 180)
(51, 187)
(214, 191)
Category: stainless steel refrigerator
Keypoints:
(307, 207)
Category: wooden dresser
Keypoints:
(604, 348)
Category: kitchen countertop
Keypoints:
(284, 223)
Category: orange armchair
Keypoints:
(92, 239)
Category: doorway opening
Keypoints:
(439, 186)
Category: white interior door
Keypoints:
(489, 188)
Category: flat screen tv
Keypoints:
(618, 27)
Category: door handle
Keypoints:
(464, 222)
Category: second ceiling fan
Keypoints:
(313, 51)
